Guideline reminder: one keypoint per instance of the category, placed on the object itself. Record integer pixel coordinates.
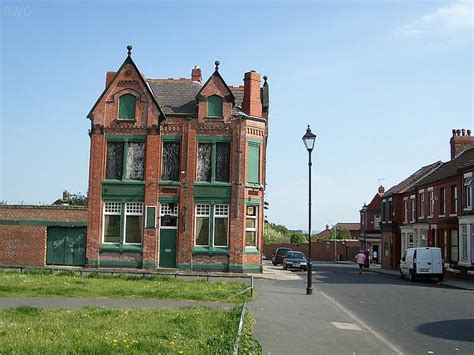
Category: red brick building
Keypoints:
(177, 172)
(370, 229)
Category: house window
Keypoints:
(125, 159)
(171, 157)
(405, 211)
(468, 193)
(422, 204)
(168, 215)
(454, 246)
(463, 243)
(442, 201)
(131, 214)
(384, 212)
(377, 221)
(390, 210)
(112, 218)
(454, 199)
(253, 163)
(413, 209)
(212, 225)
(411, 241)
(251, 224)
(213, 162)
(431, 206)
(127, 105)
(214, 106)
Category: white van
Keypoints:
(423, 262)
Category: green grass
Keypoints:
(43, 283)
(194, 330)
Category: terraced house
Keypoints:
(177, 172)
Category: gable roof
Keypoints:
(450, 168)
(348, 226)
(412, 179)
(130, 61)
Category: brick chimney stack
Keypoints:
(381, 190)
(252, 105)
(460, 141)
(196, 74)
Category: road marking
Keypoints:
(346, 326)
(361, 323)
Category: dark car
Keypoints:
(279, 255)
(295, 259)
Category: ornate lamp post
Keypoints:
(364, 226)
(309, 139)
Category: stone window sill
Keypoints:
(211, 250)
(251, 250)
(121, 248)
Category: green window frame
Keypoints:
(253, 163)
(211, 225)
(127, 105)
(123, 223)
(215, 106)
(125, 158)
(213, 160)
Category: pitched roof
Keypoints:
(176, 96)
(450, 168)
(412, 179)
(376, 202)
(130, 61)
(348, 226)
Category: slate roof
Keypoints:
(348, 226)
(178, 96)
(450, 168)
(412, 179)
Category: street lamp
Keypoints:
(335, 242)
(309, 139)
(364, 220)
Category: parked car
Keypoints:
(295, 259)
(422, 263)
(279, 255)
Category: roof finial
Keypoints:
(217, 63)
(129, 48)
(265, 78)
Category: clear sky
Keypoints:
(382, 84)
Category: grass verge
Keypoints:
(44, 283)
(194, 330)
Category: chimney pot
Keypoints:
(463, 132)
(381, 189)
(469, 132)
(458, 132)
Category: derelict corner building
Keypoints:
(177, 172)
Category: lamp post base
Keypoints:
(309, 289)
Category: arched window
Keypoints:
(127, 107)
(214, 106)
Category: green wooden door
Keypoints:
(66, 246)
(167, 247)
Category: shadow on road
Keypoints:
(449, 329)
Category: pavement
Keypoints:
(290, 321)
(79, 302)
(464, 285)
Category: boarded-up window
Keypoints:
(214, 106)
(135, 160)
(204, 162)
(222, 162)
(127, 107)
(114, 164)
(253, 163)
(171, 161)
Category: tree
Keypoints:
(298, 237)
(341, 233)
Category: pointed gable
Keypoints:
(215, 99)
(127, 96)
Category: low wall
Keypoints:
(320, 251)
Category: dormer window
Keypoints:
(127, 105)
(214, 106)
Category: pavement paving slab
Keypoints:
(290, 322)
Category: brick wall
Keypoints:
(320, 251)
(22, 245)
(43, 213)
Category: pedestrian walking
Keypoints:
(360, 259)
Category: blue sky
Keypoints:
(382, 84)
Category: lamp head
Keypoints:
(309, 139)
